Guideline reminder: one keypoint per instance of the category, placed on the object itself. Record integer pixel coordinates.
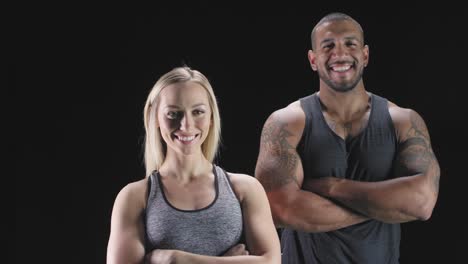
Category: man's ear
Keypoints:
(311, 56)
(366, 55)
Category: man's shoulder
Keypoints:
(289, 120)
(405, 120)
(399, 114)
(290, 114)
(394, 108)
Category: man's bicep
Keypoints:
(415, 154)
(278, 163)
(272, 175)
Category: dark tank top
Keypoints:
(367, 157)
(207, 231)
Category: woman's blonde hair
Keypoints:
(155, 147)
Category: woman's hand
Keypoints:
(160, 256)
(237, 250)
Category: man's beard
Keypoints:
(344, 87)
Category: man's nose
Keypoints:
(340, 51)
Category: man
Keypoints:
(344, 167)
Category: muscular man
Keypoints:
(344, 167)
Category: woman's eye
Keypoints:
(198, 112)
(172, 115)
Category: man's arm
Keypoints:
(411, 195)
(279, 169)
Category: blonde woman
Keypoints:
(188, 210)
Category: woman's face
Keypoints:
(184, 117)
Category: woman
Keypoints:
(189, 210)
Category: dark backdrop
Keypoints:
(78, 78)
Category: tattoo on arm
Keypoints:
(415, 154)
(276, 156)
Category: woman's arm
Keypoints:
(261, 236)
(126, 240)
(260, 233)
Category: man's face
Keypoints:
(340, 54)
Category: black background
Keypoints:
(78, 77)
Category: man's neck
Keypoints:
(344, 106)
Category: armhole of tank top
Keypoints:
(230, 184)
(390, 123)
(215, 172)
(148, 190)
(149, 184)
(301, 143)
(144, 213)
(242, 236)
(385, 110)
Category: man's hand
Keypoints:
(322, 186)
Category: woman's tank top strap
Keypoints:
(222, 180)
(225, 184)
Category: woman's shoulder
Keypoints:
(243, 184)
(241, 178)
(136, 186)
(134, 193)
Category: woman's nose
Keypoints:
(186, 122)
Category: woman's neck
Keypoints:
(184, 168)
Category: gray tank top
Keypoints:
(207, 231)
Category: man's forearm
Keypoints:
(394, 201)
(309, 212)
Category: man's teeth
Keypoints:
(186, 138)
(341, 68)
